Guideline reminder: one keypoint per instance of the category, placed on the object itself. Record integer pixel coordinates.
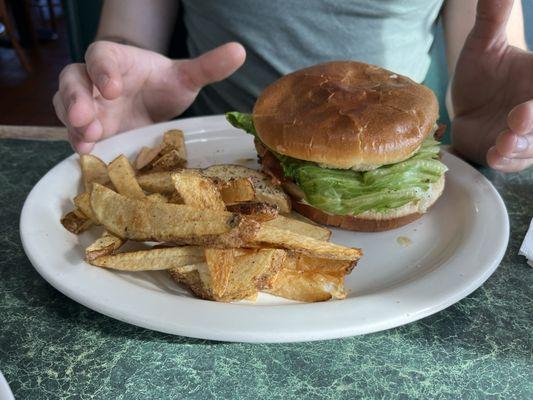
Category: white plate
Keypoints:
(5, 390)
(454, 249)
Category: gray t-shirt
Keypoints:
(281, 36)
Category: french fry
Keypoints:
(303, 228)
(158, 198)
(231, 274)
(175, 140)
(152, 259)
(304, 244)
(147, 155)
(76, 222)
(104, 245)
(123, 178)
(92, 170)
(197, 191)
(170, 161)
(303, 262)
(195, 277)
(255, 210)
(309, 286)
(237, 190)
(157, 182)
(152, 221)
(264, 189)
(83, 203)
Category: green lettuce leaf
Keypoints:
(348, 192)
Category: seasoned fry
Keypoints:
(195, 277)
(147, 155)
(304, 244)
(76, 222)
(157, 182)
(309, 286)
(303, 228)
(303, 262)
(146, 220)
(104, 245)
(157, 197)
(265, 190)
(92, 170)
(122, 175)
(169, 162)
(197, 191)
(236, 274)
(152, 259)
(237, 190)
(83, 203)
(256, 210)
(175, 140)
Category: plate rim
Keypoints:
(260, 337)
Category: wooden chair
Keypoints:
(10, 33)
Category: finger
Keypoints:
(520, 119)
(511, 145)
(504, 164)
(212, 66)
(79, 145)
(491, 20)
(76, 94)
(104, 65)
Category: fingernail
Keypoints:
(521, 144)
(102, 81)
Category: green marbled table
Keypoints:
(52, 347)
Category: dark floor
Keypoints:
(26, 99)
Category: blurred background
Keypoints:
(39, 37)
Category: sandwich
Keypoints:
(351, 143)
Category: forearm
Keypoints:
(458, 20)
(146, 24)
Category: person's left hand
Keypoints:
(492, 94)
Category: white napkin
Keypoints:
(526, 249)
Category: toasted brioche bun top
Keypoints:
(345, 114)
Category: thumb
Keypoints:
(491, 22)
(213, 66)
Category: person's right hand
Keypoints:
(121, 87)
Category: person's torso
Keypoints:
(281, 36)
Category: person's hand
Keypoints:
(122, 87)
(492, 94)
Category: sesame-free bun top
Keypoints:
(345, 114)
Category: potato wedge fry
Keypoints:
(304, 244)
(237, 190)
(303, 262)
(152, 259)
(238, 273)
(170, 161)
(256, 210)
(303, 228)
(122, 175)
(175, 140)
(195, 277)
(308, 286)
(152, 221)
(197, 191)
(76, 222)
(104, 245)
(265, 190)
(93, 170)
(157, 197)
(147, 155)
(157, 182)
(83, 203)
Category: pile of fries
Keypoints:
(225, 232)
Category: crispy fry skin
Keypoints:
(197, 191)
(122, 175)
(93, 170)
(152, 259)
(76, 222)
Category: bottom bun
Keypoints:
(371, 221)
